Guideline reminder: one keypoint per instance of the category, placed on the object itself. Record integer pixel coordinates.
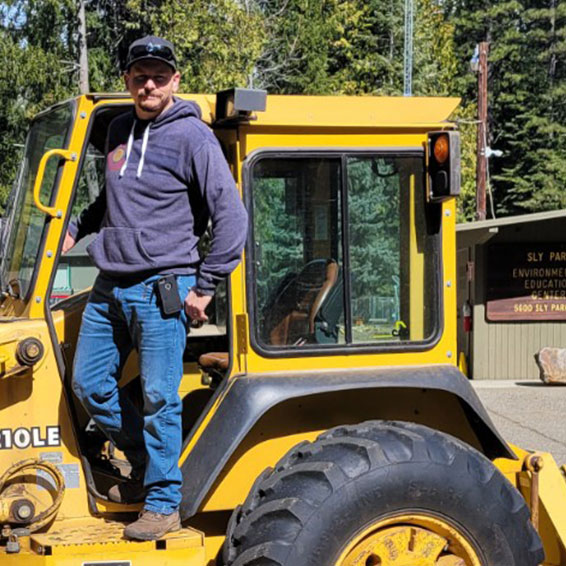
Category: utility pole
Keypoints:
(481, 167)
(408, 54)
(83, 57)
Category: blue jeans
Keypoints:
(118, 317)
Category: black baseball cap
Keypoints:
(151, 47)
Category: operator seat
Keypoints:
(313, 286)
(214, 366)
(314, 298)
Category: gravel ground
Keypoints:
(529, 414)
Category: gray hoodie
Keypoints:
(165, 178)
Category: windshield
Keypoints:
(24, 224)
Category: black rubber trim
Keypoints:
(347, 275)
(249, 398)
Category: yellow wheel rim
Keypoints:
(409, 540)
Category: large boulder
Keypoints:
(552, 364)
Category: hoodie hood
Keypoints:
(179, 110)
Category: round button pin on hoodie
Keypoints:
(116, 158)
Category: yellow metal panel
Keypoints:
(74, 542)
(133, 554)
(448, 282)
(322, 138)
(445, 350)
(552, 523)
(185, 557)
(417, 279)
(36, 400)
(355, 111)
(95, 535)
(325, 111)
(338, 111)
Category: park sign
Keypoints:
(526, 282)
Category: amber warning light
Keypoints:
(443, 153)
(441, 149)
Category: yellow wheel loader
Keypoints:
(325, 419)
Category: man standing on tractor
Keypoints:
(166, 178)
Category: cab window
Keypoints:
(342, 254)
(75, 271)
(25, 223)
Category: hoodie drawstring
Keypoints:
(144, 147)
(129, 150)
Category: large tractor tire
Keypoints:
(382, 494)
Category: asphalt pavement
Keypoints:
(530, 414)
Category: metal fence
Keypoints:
(375, 309)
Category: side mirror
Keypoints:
(443, 165)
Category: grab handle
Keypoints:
(65, 154)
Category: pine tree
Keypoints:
(526, 87)
(537, 181)
(367, 54)
(35, 72)
(295, 51)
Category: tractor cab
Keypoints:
(341, 312)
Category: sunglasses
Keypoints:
(152, 50)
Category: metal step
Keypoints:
(97, 542)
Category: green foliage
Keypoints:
(216, 41)
(296, 48)
(352, 47)
(318, 47)
(25, 89)
(46, 24)
(435, 62)
(527, 83)
(367, 53)
(111, 26)
(466, 117)
(373, 206)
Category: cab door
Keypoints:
(37, 431)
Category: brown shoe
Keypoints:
(151, 525)
(130, 491)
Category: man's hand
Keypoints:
(195, 303)
(68, 243)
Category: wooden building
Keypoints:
(511, 293)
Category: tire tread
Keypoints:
(262, 530)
